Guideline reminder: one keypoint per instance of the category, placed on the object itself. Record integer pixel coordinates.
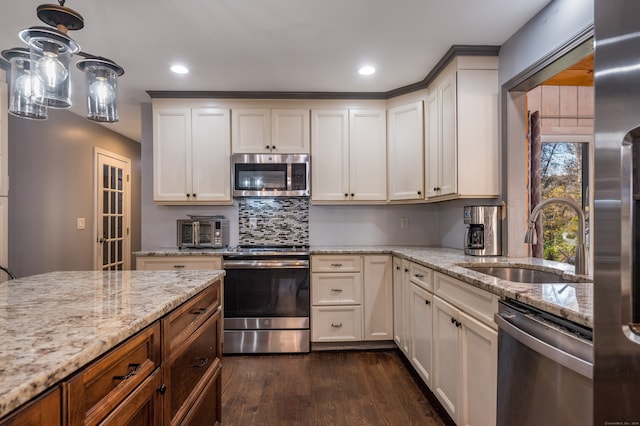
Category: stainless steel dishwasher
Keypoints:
(545, 368)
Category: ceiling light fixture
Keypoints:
(179, 69)
(366, 70)
(40, 76)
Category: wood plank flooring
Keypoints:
(323, 388)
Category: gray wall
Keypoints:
(550, 31)
(51, 184)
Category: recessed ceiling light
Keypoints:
(367, 70)
(179, 69)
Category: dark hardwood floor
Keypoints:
(323, 388)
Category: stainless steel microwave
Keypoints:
(270, 175)
(203, 232)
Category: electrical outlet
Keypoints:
(253, 223)
(404, 222)
(80, 223)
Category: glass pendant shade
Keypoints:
(50, 53)
(21, 100)
(101, 81)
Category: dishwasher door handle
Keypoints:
(561, 357)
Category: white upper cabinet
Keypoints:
(191, 150)
(462, 130)
(259, 130)
(4, 138)
(348, 154)
(405, 156)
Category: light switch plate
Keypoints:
(80, 223)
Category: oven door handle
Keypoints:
(266, 264)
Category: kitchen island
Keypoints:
(53, 325)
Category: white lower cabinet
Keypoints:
(160, 263)
(351, 298)
(400, 304)
(421, 325)
(465, 355)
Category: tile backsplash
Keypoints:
(273, 221)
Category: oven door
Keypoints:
(266, 306)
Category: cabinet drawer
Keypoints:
(421, 276)
(162, 263)
(336, 324)
(142, 407)
(336, 289)
(207, 409)
(478, 303)
(190, 364)
(188, 317)
(336, 263)
(44, 410)
(98, 389)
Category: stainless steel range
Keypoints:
(266, 300)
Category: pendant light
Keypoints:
(50, 52)
(21, 99)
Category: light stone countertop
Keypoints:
(53, 324)
(572, 301)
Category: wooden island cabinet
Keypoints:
(168, 373)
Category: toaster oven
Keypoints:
(203, 232)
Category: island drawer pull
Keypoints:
(202, 362)
(133, 369)
(199, 311)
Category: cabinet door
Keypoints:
(397, 301)
(378, 298)
(432, 149)
(43, 410)
(141, 407)
(4, 228)
(368, 155)
(171, 154)
(290, 130)
(330, 155)
(479, 364)
(446, 383)
(251, 130)
(448, 159)
(405, 147)
(421, 312)
(210, 153)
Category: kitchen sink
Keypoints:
(520, 274)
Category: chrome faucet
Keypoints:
(581, 247)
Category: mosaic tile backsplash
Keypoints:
(278, 221)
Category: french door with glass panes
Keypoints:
(113, 201)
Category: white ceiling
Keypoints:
(271, 45)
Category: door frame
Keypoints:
(126, 208)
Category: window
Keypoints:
(564, 173)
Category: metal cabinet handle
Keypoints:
(178, 266)
(418, 275)
(133, 369)
(336, 265)
(336, 325)
(199, 311)
(336, 290)
(202, 362)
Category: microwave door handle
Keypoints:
(195, 231)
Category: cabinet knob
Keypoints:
(419, 192)
(267, 147)
(406, 270)
(188, 195)
(353, 195)
(273, 147)
(346, 195)
(426, 302)
(162, 389)
(194, 195)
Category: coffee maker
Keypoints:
(483, 234)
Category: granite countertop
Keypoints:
(572, 301)
(53, 324)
